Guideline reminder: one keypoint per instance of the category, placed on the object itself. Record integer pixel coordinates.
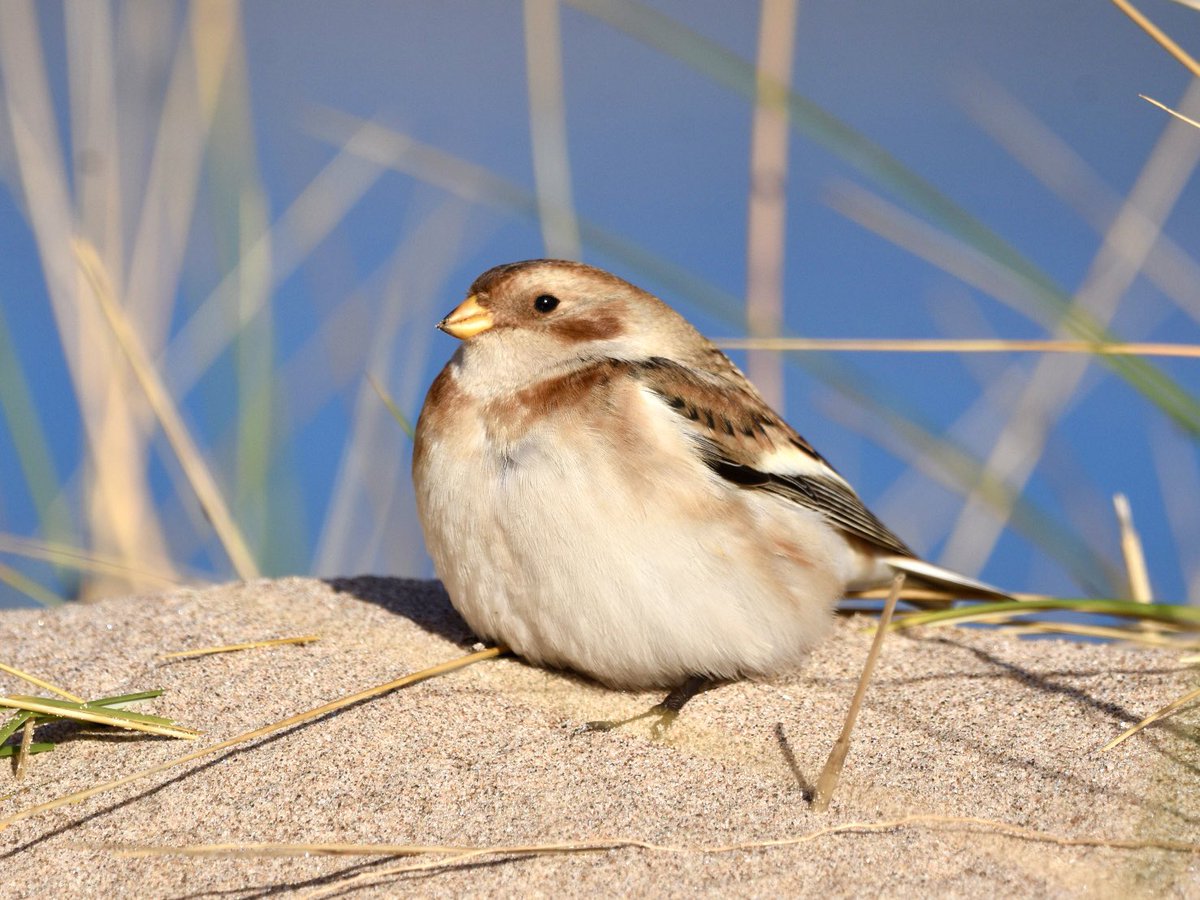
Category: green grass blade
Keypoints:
(35, 747)
(79, 559)
(112, 717)
(29, 440)
(67, 707)
(13, 725)
(401, 419)
(1187, 616)
(20, 718)
(124, 698)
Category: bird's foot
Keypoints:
(658, 731)
(665, 713)
(666, 718)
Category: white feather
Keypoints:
(938, 575)
(789, 460)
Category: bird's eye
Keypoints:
(545, 303)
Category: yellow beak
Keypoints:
(467, 320)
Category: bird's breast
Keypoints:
(590, 536)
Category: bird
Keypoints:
(602, 490)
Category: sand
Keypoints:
(958, 723)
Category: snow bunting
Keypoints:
(602, 490)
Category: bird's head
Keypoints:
(542, 314)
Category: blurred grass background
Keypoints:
(220, 221)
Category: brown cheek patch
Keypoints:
(596, 327)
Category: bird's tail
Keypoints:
(944, 579)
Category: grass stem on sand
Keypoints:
(828, 780)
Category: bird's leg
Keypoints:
(667, 711)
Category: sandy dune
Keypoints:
(958, 723)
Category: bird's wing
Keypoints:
(741, 439)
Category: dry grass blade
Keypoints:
(24, 584)
(766, 223)
(118, 510)
(195, 119)
(548, 130)
(185, 448)
(44, 685)
(1173, 112)
(246, 645)
(113, 717)
(23, 750)
(1131, 549)
(1163, 39)
(308, 220)
(1172, 707)
(921, 593)
(289, 722)
(960, 345)
(930, 820)
(81, 560)
(827, 782)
